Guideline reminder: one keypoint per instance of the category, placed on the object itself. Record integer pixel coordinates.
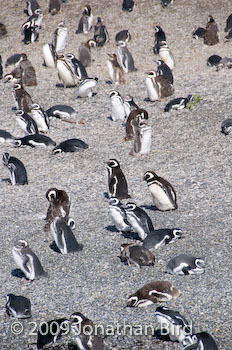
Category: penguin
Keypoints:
(1, 68)
(85, 333)
(163, 193)
(136, 114)
(5, 136)
(117, 184)
(225, 62)
(77, 66)
(228, 26)
(28, 71)
(30, 29)
(174, 325)
(163, 69)
(31, 7)
(178, 103)
(50, 331)
(34, 140)
(199, 341)
(54, 7)
(130, 105)
(153, 293)
(211, 35)
(118, 215)
(59, 37)
(40, 117)
(166, 55)
(64, 237)
(123, 35)
(85, 53)
(226, 126)
(13, 60)
(117, 106)
(70, 70)
(115, 70)
(228, 37)
(158, 87)
(18, 173)
(18, 306)
(70, 145)
(166, 3)
(26, 123)
(85, 89)
(137, 255)
(3, 30)
(139, 220)
(27, 261)
(142, 139)
(61, 111)
(101, 36)
(22, 98)
(14, 77)
(49, 56)
(185, 264)
(159, 37)
(213, 60)
(125, 58)
(159, 238)
(128, 5)
(86, 20)
(199, 33)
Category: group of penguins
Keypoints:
(128, 218)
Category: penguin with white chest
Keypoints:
(34, 140)
(185, 264)
(18, 173)
(142, 139)
(158, 86)
(199, 341)
(61, 112)
(5, 136)
(117, 184)
(117, 105)
(178, 103)
(40, 117)
(49, 55)
(85, 89)
(226, 126)
(70, 145)
(163, 193)
(166, 55)
(118, 215)
(59, 37)
(125, 58)
(123, 35)
(26, 123)
(70, 70)
(31, 7)
(159, 238)
(18, 306)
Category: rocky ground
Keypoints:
(187, 149)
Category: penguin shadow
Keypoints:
(131, 235)
(54, 247)
(109, 82)
(111, 228)
(106, 195)
(72, 346)
(147, 99)
(18, 273)
(6, 180)
(14, 109)
(160, 335)
(150, 207)
(59, 85)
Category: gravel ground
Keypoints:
(187, 149)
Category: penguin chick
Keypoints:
(64, 237)
(152, 293)
(18, 306)
(27, 261)
(85, 22)
(226, 126)
(211, 35)
(54, 7)
(85, 53)
(142, 139)
(18, 173)
(101, 36)
(118, 215)
(26, 123)
(178, 103)
(125, 58)
(159, 238)
(117, 184)
(137, 255)
(163, 193)
(34, 141)
(128, 5)
(184, 264)
(199, 341)
(28, 71)
(22, 98)
(123, 35)
(136, 114)
(115, 70)
(71, 145)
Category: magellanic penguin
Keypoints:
(26, 123)
(86, 20)
(153, 293)
(178, 103)
(199, 341)
(30, 29)
(61, 111)
(40, 117)
(18, 306)
(118, 215)
(211, 35)
(174, 325)
(84, 332)
(13, 60)
(22, 98)
(136, 114)
(27, 261)
(28, 71)
(85, 52)
(117, 184)
(115, 70)
(18, 173)
(3, 30)
(199, 33)
(70, 145)
(139, 220)
(14, 77)
(128, 5)
(159, 238)
(31, 7)
(213, 60)
(228, 26)
(158, 87)
(142, 139)
(226, 126)
(228, 37)
(49, 55)
(166, 55)
(50, 331)
(117, 106)
(101, 36)
(130, 105)
(85, 88)
(70, 70)
(59, 37)
(159, 37)
(34, 140)
(54, 7)
(123, 35)
(64, 237)
(163, 69)
(163, 193)
(125, 58)
(166, 3)
(185, 264)
(5, 136)
(137, 255)
(225, 62)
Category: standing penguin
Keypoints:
(118, 111)
(125, 58)
(166, 55)
(159, 37)
(85, 22)
(123, 35)
(30, 29)
(59, 37)
(115, 70)
(163, 193)
(40, 117)
(1, 68)
(70, 70)
(135, 114)
(158, 87)
(163, 69)
(55, 6)
(31, 7)
(85, 53)
(28, 71)
(18, 173)
(22, 98)
(117, 184)
(118, 215)
(26, 123)
(101, 35)
(18, 306)
(211, 35)
(49, 55)
(142, 140)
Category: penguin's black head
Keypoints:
(17, 143)
(132, 300)
(5, 158)
(130, 206)
(87, 10)
(113, 201)
(165, 3)
(149, 175)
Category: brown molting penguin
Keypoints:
(22, 98)
(28, 71)
(55, 6)
(158, 87)
(134, 114)
(115, 70)
(211, 34)
(85, 53)
(137, 255)
(14, 77)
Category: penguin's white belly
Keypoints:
(137, 228)
(145, 141)
(160, 198)
(167, 57)
(42, 126)
(117, 110)
(48, 57)
(110, 70)
(118, 220)
(61, 41)
(65, 75)
(152, 91)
